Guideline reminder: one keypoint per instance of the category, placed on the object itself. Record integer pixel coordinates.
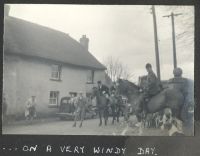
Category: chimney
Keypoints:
(84, 41)
(6, 10)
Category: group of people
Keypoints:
(80, 102)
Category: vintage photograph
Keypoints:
(119, 70)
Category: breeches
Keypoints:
(80, 112)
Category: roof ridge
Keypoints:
(42, 26)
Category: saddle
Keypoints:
(149, 95)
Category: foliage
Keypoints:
(116, 69)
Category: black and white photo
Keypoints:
(118, 70)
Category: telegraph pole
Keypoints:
(173, 37)
(156, 43)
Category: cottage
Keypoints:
(46, 63)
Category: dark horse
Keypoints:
(167, 98)
(116, 107)
(102, 105)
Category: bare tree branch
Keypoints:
(116, 69)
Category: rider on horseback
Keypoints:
(151, 88)
(182, 84)
(103, 88)
(178, 82)
(153, 84)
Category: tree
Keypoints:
(116, 69)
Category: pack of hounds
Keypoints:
(164, 121)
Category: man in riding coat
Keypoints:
(153, 83)
(152, 88)
(178, 82)
(104, 90)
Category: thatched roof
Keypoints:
(25, 38)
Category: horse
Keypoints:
(116, 107)
(102, 105)
(167, 98)
(130, 91)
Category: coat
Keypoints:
(81, 103)
(103, 88)
(153, 84)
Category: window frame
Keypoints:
(92, 76)
(56, 98)
(56, 71)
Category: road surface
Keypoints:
(90, 127)
(58, 127)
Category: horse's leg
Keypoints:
(139, 113)
(125, 113)
(118, 113)
(82, 117)
(100, 117)
(105, 115)
(113, 114)
(75, 119)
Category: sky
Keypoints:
(124, 32)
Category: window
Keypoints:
(53, 98)
(55, 72)
(90, 76)
(73, 93)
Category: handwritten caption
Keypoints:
(82, 149)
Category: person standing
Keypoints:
(71, 103)
(30, 111)
(81, 104)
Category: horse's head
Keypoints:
(132, 92)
